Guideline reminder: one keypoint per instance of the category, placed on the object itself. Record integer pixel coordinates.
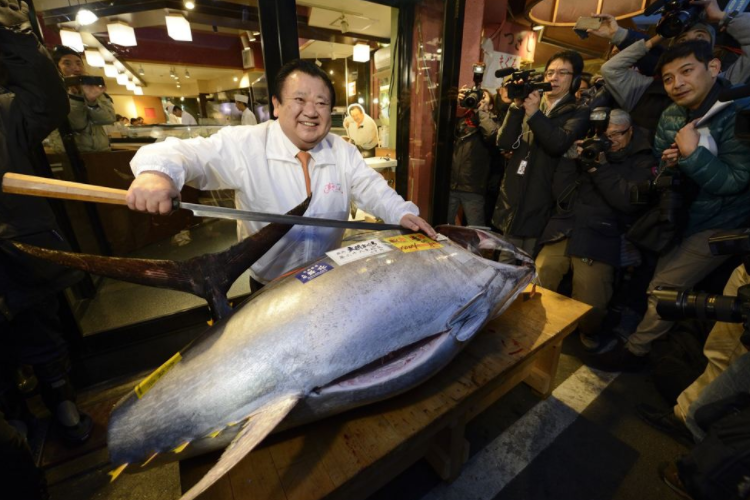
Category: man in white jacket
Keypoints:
(273, 167)
(185, 117)
(248, 117)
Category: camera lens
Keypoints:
(678, 304)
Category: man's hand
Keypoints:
(670, 156)
(531, 103)
(687, 139)
(13, 13)
(416, 223)
(461, 94)
(92, 92)
(152, 192)
(608, 27)
(714, 14)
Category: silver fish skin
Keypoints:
(358, 333)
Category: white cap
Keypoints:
(240, 98)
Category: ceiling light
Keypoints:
(182, 99)
(140, 70)
(130, 86)
(72, 39)
(235, 79)
(178, 85)
(121, 33)
(179, 28)
(94, 58)
(122, 78)
(138, 91)
(189, 5)
(171, 72)
(86, 17)
(537, 27)
(361, 52)
(110, 71)
(187, 73)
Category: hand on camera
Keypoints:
(714, 14)
(13, 13)
(608, 27)
(92, 92)
(531, 103)
(670, 156)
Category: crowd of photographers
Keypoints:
(622, 181)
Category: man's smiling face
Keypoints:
(304, 112)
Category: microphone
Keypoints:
(734, 93)
(502, 73)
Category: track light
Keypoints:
(86, 17)
(189, 5)
(140, 70)
(187, 73)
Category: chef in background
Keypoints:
(248, 117)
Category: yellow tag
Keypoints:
(413, 242)
(181, 448)
(147, 383)
(114, 474)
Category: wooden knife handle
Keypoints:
(53, 188)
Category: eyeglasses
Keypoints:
(562, 72)
(617, 134)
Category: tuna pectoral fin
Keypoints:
(470, 317)
(258, 427)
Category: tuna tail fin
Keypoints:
(255, 430)
(208, 276)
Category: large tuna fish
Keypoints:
(387, 314)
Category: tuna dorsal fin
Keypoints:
(470, 317)
(255, 430)
(208, 276)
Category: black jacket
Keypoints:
(525, 202)
(593, 209)
(473, 151)
(34, 102)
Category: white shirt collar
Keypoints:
(281, 148)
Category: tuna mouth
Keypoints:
(390, 366)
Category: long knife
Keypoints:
(53, 188)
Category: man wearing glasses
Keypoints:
(538, 131)
(592, 211)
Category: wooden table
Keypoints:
(350, 456)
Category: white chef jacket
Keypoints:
(248, 118)
(188, 119)
(259, 164)
(366, 135)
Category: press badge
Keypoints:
(522, 167)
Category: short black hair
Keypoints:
(176, 108)
(571, 56)
(701, 49)
(305, 67)
(63, 50)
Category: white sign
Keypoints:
(358, 251)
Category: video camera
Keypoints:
(474, 96)
(72, 81)
(531, 81)
(675, 304)
(676, 16)
(597, 141)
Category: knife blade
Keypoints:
(53, 188)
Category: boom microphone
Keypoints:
(734, 93)
(502, 73)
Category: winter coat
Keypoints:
(33, 104)
(525, 202)
(723, 179)
(594, 209)
(473, 152)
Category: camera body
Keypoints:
(474, 96)
(531, 81)
(597, 141)
(677, 16)
(73, 81)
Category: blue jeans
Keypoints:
(733, 380)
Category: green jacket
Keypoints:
(723, 200)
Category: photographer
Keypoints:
(473, 149)
(90, 106)
(593, 208)
(639, 93)
(714, 160)
(538, 131)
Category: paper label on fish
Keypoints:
(413, 242)
(313, 272)
(148, 382)
(358, 251)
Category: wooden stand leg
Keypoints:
(449, 452)
(545, 367)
